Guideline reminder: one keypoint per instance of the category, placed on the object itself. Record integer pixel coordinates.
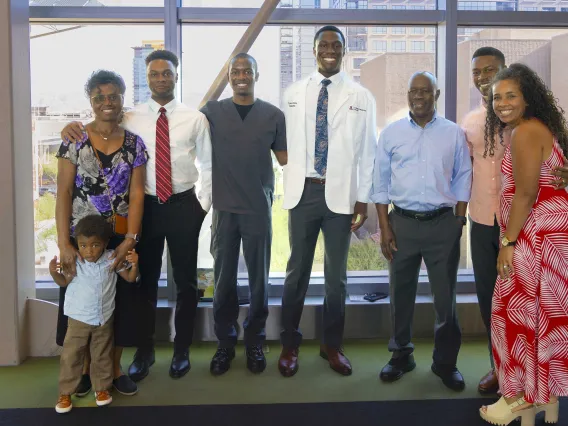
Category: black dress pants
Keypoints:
(178, 221)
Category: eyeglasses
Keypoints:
(101, 99)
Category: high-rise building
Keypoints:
(366, 43)
(141, 89)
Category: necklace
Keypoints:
(108, 135)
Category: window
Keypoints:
(356, 4)
(357, 63)
(416, 7)
(379, 46)
(530, 9)
(534, 47)
(91, 3)
(417, 46)
(379, 6)
(549, 9)
(281, 62)
(55, 105)
(417, 30)
(380, 30)
(398, 46)
(310, 4)
(432, 46)
(398, 30)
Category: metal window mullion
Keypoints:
(172, 42)
(293, 16)
(99, 15)
(447, 59)
(521, 19)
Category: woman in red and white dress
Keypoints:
(529, 320)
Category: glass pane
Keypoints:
(285, 55)
(514, 5)
(321, 4)
(542, 49)
(116, 47)
(123, 3)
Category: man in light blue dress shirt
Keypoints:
(423, 168)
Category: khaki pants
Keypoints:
(79, 338)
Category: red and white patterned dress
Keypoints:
(529, 319)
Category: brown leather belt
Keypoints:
(315, 180)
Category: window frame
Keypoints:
(445, 18)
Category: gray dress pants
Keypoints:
(304, 224)
(255, 231)
(437, 241)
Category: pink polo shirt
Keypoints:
(486, 187)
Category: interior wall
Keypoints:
(17, 282)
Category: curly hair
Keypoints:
(94, 226)
(100, 77)
(542, 105)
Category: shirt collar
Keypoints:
(431, 122)
(155, 106)
(317, 77)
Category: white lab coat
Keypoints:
(351, 146)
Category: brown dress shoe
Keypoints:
(337, 360)
(489, 383)
(288, 362)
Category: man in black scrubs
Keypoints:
(244, 131)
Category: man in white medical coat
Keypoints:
(331, 127)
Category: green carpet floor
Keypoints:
(34, 383)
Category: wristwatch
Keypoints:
(135, 237)
(462, 219)
(505, 242)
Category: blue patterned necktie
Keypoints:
(320, 158)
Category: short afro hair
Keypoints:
(94, 226)
(329, 28)
(246, 56)
(100, 77)
(489, 51)
(165, 55)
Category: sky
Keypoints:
(61, 63)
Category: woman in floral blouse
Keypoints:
(103, 174)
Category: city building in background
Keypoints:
(140, 82)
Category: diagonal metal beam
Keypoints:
(244, 45)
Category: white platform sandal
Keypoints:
(550, 411)
(501, 413)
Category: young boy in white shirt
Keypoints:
(89, 304)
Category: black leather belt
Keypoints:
(429, 215)
(315, 180)
(174, 198)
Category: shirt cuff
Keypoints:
(380, 198)
(205, 204)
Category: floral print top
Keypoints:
(90, 195)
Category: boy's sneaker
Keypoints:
(64, 404)
(103, 398)
(85, 386)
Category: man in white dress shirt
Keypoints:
(179, 146)
(332, 136)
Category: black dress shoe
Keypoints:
(125, 385)
(180, 364)
(396, 368)
(85, 386)
(221, 361)
(450, 376)
(256, 362)
(141, 364)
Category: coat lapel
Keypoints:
(346, 92)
